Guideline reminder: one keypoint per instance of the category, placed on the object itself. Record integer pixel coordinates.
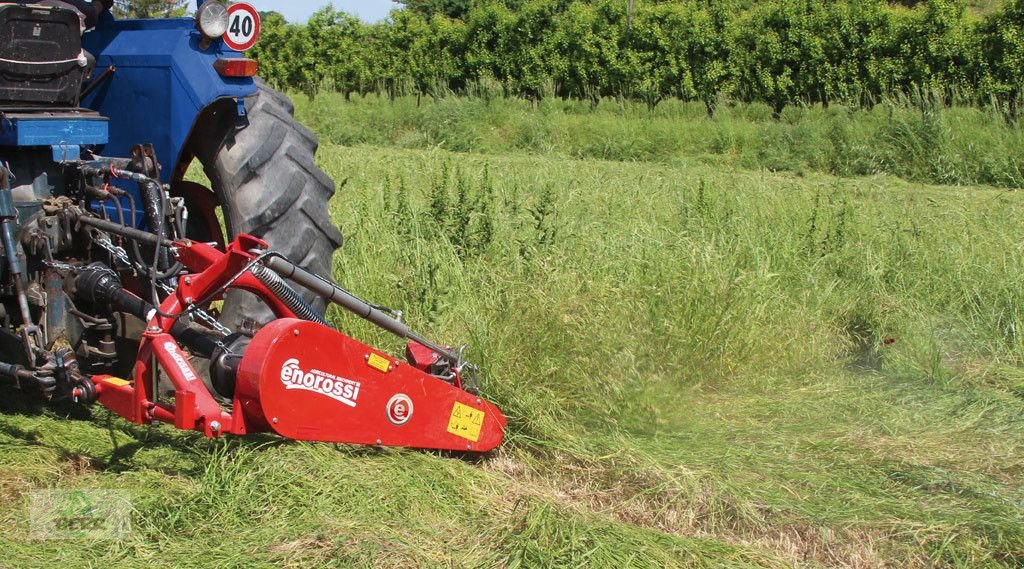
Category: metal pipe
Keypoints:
(14, 264)
(125, 231)
(349, 302)
(8, 217)
(96, 82)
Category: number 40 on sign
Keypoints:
(243, 26)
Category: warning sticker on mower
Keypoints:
(378, 362)
(466, 422)
(322, 382)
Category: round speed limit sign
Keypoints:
(243, 26)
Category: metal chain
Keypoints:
(212, 322)
(202, 315)
(63, 267)
(116, 251)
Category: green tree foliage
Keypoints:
(428, 8)
(709, 51)
(524, 58)
(339, 43)
(1002, 49)
(287, 56)
(584, 51)
(950, 48)
(150, 8)
(780, 52)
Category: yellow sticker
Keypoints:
(466, 422)
(116, 381)
(378, 363)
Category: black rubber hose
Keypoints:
(174, 271)
(152, 205)
(287, 294)
(135, 244)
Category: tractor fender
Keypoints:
(162, 80)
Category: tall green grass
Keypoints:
(826, 368)
(900, 137)
(702, 366)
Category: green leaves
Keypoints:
(150, 8)
(780, 52)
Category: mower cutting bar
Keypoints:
(360, 308)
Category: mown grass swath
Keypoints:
(804, 363)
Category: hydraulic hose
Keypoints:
(152, 205)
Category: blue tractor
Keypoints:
(97, 132)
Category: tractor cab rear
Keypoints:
(42, 71)
(41, 57)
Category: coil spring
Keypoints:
(287, 294)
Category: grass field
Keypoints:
(909, 137)
(704, 364)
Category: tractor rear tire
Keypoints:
(268, 185)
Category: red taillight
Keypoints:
(236, 67)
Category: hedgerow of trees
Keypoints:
(780, 52)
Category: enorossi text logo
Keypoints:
(337, 388)
(179, 359)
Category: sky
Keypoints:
(300, 10)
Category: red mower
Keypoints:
(293, 375)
